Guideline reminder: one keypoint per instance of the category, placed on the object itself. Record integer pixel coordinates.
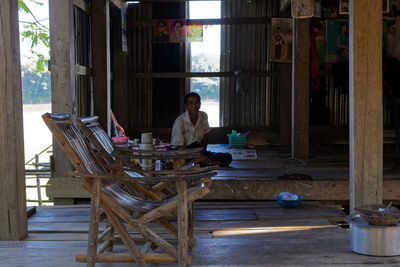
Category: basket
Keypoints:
(374, 215)
(381, 220)
(237, 140)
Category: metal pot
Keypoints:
(373, 240)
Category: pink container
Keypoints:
(119, 140)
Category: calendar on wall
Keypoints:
(302, 8)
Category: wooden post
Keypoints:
(120, 71)
(101, 61)
(62, 73)
(13, 224)
(110, 236)
(192, 241)
(301, 88)
(183, 219)
(285, 92)
(94, 223)
(366, 123)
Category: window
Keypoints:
(205, 57)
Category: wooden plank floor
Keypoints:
(227, 234)
(324, 176)
(324, 163)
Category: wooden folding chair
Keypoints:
(121, 206)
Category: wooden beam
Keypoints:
(182, 221)
(285, 93)
(82, 5)
(366, 123)
(223, 21)
(13, 224)
(62, 63)
(82, 70)
(118, 3)
(283, 5)
(125, 257)
(101, 61)
(301, 88)
(202, 74)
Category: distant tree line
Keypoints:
(208, 88)
(36, 87)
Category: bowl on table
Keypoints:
(289, 203)
(120, 140)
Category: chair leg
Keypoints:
(181, 187)
(94, 223)
(125, 237)
(110, 236)
(192, 241)
(138, 225)
(168, 226)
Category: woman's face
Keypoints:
(343, 28)
(392, 29)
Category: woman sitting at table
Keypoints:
(191, 130)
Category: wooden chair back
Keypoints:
(85, 161)
(95, 133)
(73, 142)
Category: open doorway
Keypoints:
(205, 57)
(36, 97)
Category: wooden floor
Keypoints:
(324, 176)
(227, 234)
(330, 162)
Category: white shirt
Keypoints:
(184, 132)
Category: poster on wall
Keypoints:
(178, 31)
(195, 33)
(281, 40)
(344, 6)
(337, 41)
(318, 34)
(302, 8)
(161, 28)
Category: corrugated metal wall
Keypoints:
(140, 34)
(245, 47)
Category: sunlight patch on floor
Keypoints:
(264, 230)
